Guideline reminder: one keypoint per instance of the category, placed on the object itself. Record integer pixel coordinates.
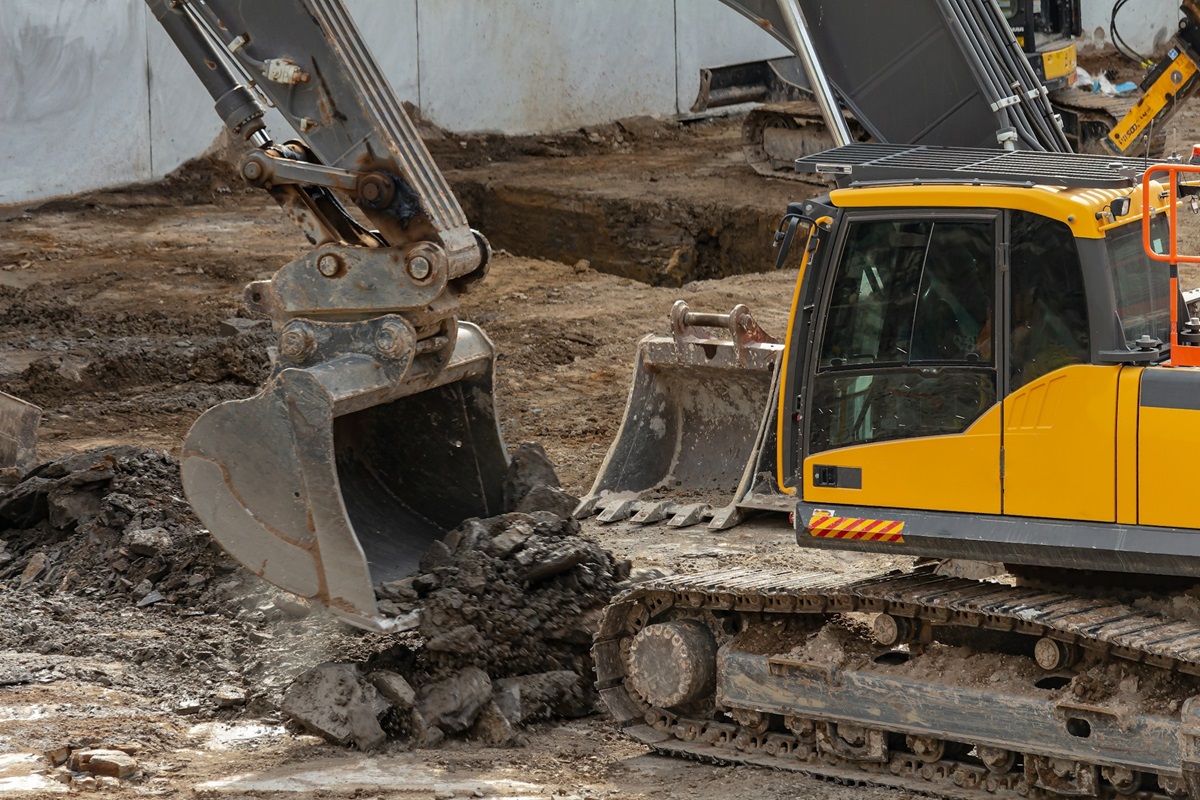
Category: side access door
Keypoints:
(1060, 412)
(902, 410)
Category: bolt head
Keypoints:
(419, 268)
(252, 170)
(328, 265)
(297, 342)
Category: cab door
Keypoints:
(1060, 412)
(903, 408)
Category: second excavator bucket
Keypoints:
(697, 427)
(337, 476)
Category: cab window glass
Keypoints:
(912, 292)
(1143, 286)
(1049, 322)
(907, 348)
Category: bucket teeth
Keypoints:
(617, 511)
(688, 515)
(653, 512)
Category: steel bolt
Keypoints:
(419, 268)
(328, 265)
(391, 340)
(297, 342)
(252, 170)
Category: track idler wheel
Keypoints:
(1124, 780)
(998, 760)
(1052, 655)
(673, 664)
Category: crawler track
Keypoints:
(867, 725)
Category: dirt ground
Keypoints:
(119, 315)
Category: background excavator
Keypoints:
(974, 56)
(985, 362)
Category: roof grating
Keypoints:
(858, 164)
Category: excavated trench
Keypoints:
(656, 202)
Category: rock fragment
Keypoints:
(528, 467)
(492, 726)
(548, 498)
(113, 763)
(147, 541)
(454, 703)
(394, 687)
(333, 701)
(229, 696)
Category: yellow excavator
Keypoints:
(986, 361)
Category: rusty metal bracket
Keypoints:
(340, 280)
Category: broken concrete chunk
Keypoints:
(147, 541)
(113, 763)
(462, 640)
(454, 703)
(529, 467)
(333, 701)
(548, 498)
(393, 686)
(492, 726)
(510, 541)
(438, 555)
(229, 696)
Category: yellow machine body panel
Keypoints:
(1168, 439)
(1060, 445)
(957, 472)
(1128, 390)
(1060, 63)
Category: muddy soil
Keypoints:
(121, 317)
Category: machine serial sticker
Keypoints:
(825, 525)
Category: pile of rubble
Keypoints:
(506, 608)
(110, 522)
(500, 614)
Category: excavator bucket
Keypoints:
(335, 478)
(698, 424)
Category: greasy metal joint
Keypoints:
(329, 265)
(297, 342)
(423, 260)
(252, 171)
(686, 326)
(376, 189)
(392, 339)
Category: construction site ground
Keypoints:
(113, 309)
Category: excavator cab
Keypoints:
(981, 363)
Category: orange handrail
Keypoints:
(1180, 356)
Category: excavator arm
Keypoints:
(376, 431)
